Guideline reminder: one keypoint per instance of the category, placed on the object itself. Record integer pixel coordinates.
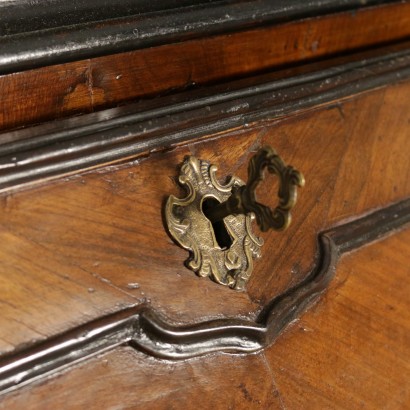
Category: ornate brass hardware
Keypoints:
(243, 198)
(214, 221)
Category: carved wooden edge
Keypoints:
(93, 140)
(35, 34)
(143, 329)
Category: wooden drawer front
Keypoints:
(331, 358)
(106, 228)
(93, 82)
(86, 246)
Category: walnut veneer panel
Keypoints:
(352, 349)
(98, 239)
(125, 379)
(84, 86)
(46, 292)
(349, 351)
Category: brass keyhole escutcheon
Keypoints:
(222, 236)
(214, 221)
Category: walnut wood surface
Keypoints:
(216, 381)
(349, 351)
(88, 245)
(84, 86)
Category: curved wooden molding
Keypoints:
(144, 330)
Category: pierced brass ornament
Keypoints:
(214, 221)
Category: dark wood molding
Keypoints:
(80, 143)
(39, 33)
(143, 329)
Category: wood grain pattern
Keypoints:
(104, 231)
(352, 349)
(83, 86)
(41, 294)
(79, 248)
(220, 382)
(76, 144)
(349, 351)
(143, 329)
(353, 167)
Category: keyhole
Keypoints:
(221, 234)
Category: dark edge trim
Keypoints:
(33, 37)
(142, 329)
(96, 139)
(22, 16)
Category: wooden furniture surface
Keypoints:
(349, 350)
(88, 85)
(98, 308)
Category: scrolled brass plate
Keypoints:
(190, 228)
